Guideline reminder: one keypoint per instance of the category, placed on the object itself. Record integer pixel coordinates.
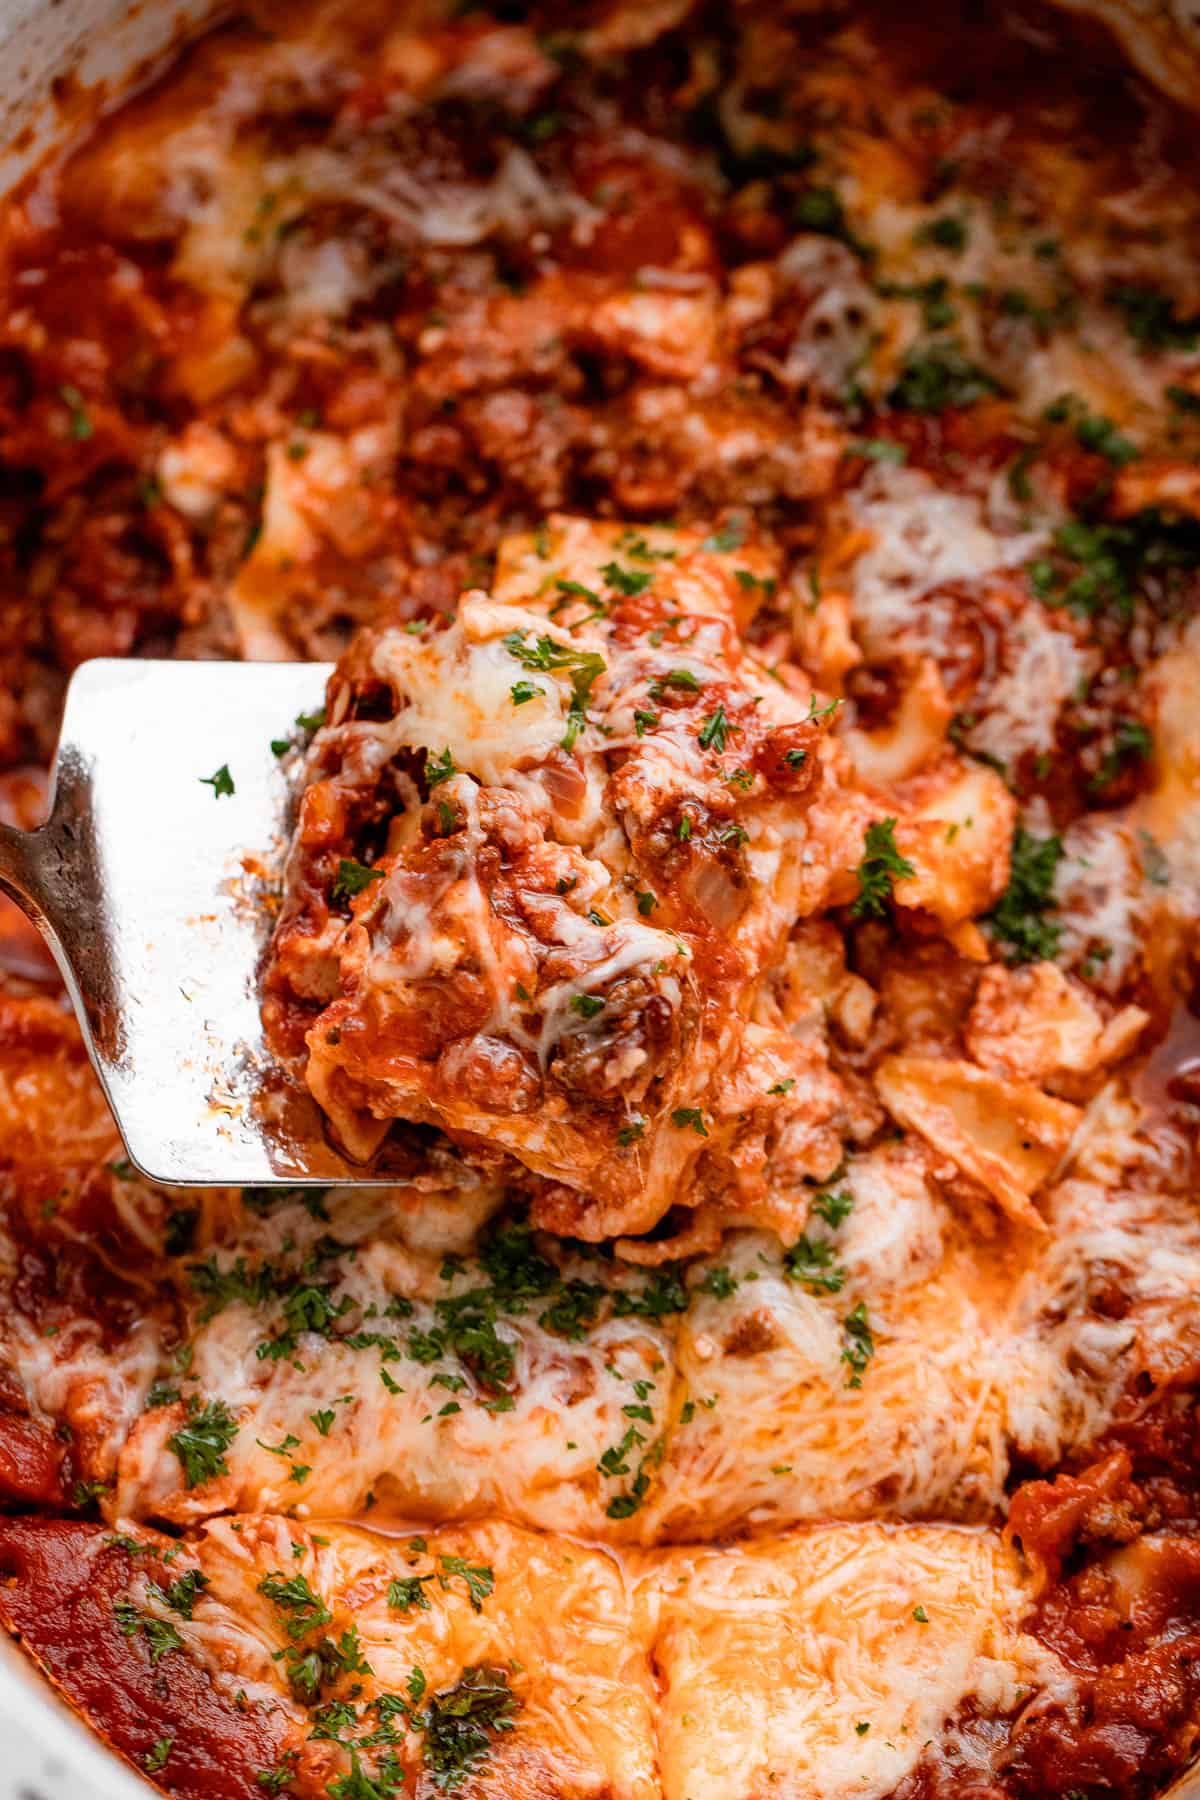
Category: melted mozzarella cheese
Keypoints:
(1116, 1216)
(457, 691)
(978, 1351)
(1101, 901)
(399, 1421)
(1020, 707)
(556, 1618)
(775, 1432)
(920, 538)
(820, 1665)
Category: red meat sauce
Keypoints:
(531, 413)
(93, 325)
(1117, 1546)
(59, 1585)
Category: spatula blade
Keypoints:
(160, 886)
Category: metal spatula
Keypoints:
(144, 883)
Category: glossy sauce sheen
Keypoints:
(743, 463)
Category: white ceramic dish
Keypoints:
(39, 1732)
(105, 45)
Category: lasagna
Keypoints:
(742, 464)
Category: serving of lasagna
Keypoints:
(744, 464)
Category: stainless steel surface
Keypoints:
(149, 888)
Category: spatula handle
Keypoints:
(32, 874)
(54, 888)
(19, 874)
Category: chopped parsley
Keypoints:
(1111, 562)
(289, 1443)
(575, 590)
(947, 233)
(820, 209)
(939, 377)
(461, 1722)
(291, 1595)
(615, 1462)
(179, 1230)
(201, 1443)
(157, 1634)
(80, 427)
(664, 1293)
(156, 1757)
(219, 1288)
(356, 1784)
(1150, 318)
(718, 1283)
(627, 581)
(439, 768)
(1155, 865)
(352, 877)
(715, 730)
(274, 1780)
(407, 1592)
(182, 1593)
(859, 1344)
(1092, 431)
(1019, 916)
(635, 544)
(522, 691)
(84, 1492)
(478, 1578)
(729, 537)
(937, 308)
(880, 867)
(690, 1118)
(587, 1005)
(584, 666)
(682, 679)
(816, 714)
(811, 1262)
(751, 583)
(221, 783)
(833, 1208)
(878, 450)
(310, 1670)
(1131, 742)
